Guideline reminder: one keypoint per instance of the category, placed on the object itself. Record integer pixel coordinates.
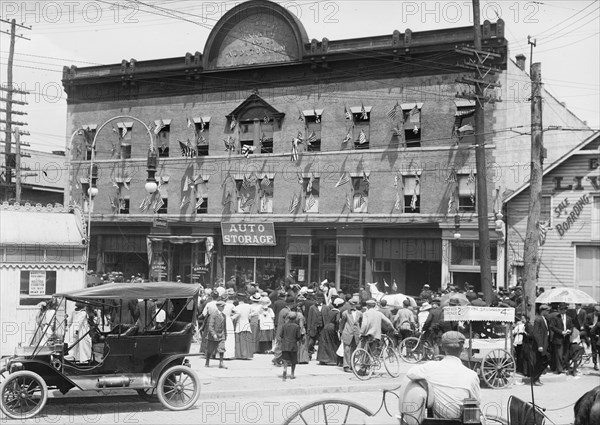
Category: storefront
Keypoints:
(42, 252)
(569, 250)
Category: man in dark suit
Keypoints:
(591, 326)
(350, 325)
(561, 326)
(539, 338)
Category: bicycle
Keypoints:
(414, 349)
(371, 355)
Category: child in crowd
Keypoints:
(575, 351)
(290, 336)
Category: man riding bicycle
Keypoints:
(373, 322)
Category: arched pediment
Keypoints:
(253, 33)
(255, 108)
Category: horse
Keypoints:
(587, 408)
(393, 300)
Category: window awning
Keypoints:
(91, 127)
(127, 124)
(165, 121)
(411, 105)
(358, 109)
(313, 112)
(40, 228)
(198, 120)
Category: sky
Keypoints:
(86, 33)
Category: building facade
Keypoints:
(349, 160)
(570, 242)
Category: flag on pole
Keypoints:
(199, 202)
(312, 138)
(233, 123)
(363, 112)
(317, 116)
(294, 156)
(393, 113)
(265, 182)
(123, 131)
(294, 204)
(347, 113)
(159, 203)
(185, 149)
(247, 150)
(344, 178)
(189, 123)
(413, 113)
(159, 126)
(145, 204)
(348, 202)
(362, 137)
(310, 202)
(348, 136)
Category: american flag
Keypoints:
(184, 201)
(317, 117)
(159, 203)
(199, 203)
(344, 178)
(294, 156)
(393, 113)
(186, 150)
(246, 183)
(123, 131)
(265, 182)
(543, 231)
(159, 126)
(363, 112)
(413, 114)
(347, 113)
(361, 200)
(312, 138)
(348, 136)
(310, 202)
(145, 204)
(233, 123)
(229, 144)
(362, 137)
(247, 150)
(294, 204)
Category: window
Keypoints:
(464, 119)
(362, 126)
(36, 286)
(266, 138)
(312, 120)
(89, 133)
(163, 208)
(310, 186)
(466, 193)
(587, 269)
(246, 195)
(202, 130)
(412, 195)
(162, 132)
(411, 115)
(596, 218)
(125, 130)
(546, 209)
(360, 189)
(123, 206)
(467, 253)
(202, 205)
(125, 150)
(258, 134)
(265, 195)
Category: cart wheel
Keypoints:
(178, 388)
(148, 395)
(409, 350)
(498, 368)
(362, 364)
(391, 361)
(329, 412)
(23, 395)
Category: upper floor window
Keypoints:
(464, 118)
(312, 120)
(412, 194)
(467, 190)
(202, 132)
(246, 194)
(411, 114)
(360, 190)
(162, 131)
(266, 194)
(311, 188)
(546, 209)
(89, 133)
(361, 116)
(125, 129)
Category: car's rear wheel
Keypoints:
(178, 388)
(23, 395)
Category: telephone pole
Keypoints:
(480, 62)
(532, 235)
(10, 159)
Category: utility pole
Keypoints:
(8, 111)
(532, 235)
(479, 62)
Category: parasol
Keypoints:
(565, 295)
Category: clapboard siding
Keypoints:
(558, 252)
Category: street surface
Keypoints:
(253, 392)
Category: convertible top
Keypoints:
(134, 290)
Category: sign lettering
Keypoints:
(262, 234)
(37, 283)
(562, 228)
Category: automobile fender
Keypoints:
(52, 377)
(173, 360)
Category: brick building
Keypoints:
(277, 155)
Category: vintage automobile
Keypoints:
(141, 356)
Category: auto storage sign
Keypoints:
(252, 234)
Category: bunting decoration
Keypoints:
(393, 113)
(362, 137)
(312, 138)
(344, 178)
(347, 113)
(294, 204)
(229, 144)
(363, 113)
(159, 126)
(247, 150)
(265, 182)
(184, 201)
(233, 123)
(543, 232)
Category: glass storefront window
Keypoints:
(467, 253)
(349, 274)
(266, 272)
(299, 268)
(270, 272)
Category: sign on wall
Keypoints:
(37, 283)
(251, 234)
(475, 313)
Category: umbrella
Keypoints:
(565, 295)
(462, 298)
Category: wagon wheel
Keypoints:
(178, 388)
(362, 364)
(409, 350)
(391, 361)
(333, 411)
(148, 395)
(498, 368)
(23, 395)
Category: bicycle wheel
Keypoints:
(391, 361)
(362, 364)
(332, 411)
(410, 351)
(427, 350)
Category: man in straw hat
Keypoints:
(441, 385)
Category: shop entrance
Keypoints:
(268, 273)
(419, 273)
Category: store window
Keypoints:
(468, 253)
(266, 272)
(36, 286)
(412, 195)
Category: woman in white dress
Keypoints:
(79, 334)
(230, 341)
(244, 347)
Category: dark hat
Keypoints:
(453, 339)
(454, 302)
(562, 306)
(292, 315)
(290, 299)
(406, 302)
(544, 307)
(79, 304)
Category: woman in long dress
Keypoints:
(79, 335)
(230, 341)
(244, 347)
(266, 323)
(329, 340)
(303, 357)
(255, 310)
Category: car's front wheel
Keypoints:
(178, 388)
(23, 395)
